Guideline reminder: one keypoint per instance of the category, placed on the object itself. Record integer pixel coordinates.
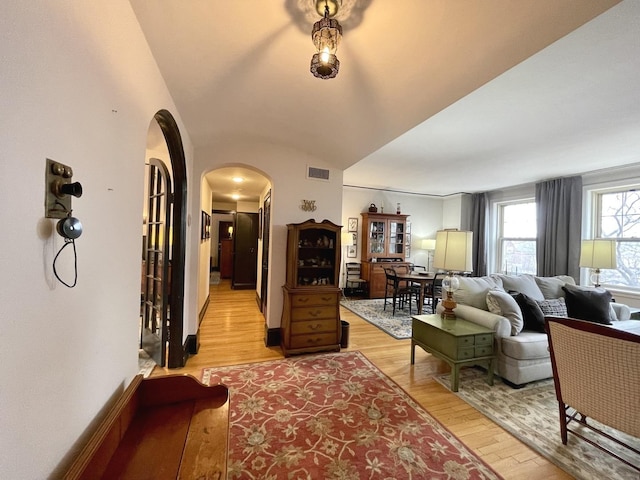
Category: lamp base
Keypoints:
(449, 304)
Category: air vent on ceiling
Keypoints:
(318, 173)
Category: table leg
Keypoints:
(455, 377)
(490, 374)
(421, 299)
(413, 352)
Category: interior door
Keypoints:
(266, 222)
(155, 280)
(245, 258)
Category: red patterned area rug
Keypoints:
(334, 416)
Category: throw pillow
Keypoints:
(501, 303)
(521, 283)
(585, 303)
(551, 287)
(532, 316)
(555, 307)
(473, 291)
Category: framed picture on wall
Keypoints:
(355, 240)
(351, 251)
(260, 223)
(203, 226)
(352, 224)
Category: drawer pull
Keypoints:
(303, 299)
(326, 299)
(313, 340)
(315, 313)
(315, 327)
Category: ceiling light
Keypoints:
(238, 179)
(235, 196)
(326, 35)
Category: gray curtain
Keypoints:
(559, 222)
(479, 206)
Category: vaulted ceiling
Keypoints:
(433, 96)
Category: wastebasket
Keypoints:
(344, 337)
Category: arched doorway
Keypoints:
(168, 176)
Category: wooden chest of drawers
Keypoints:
(310, 320)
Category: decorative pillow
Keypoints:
(551, 287)
(532, 316)
(473, 291)
(522, 283)
(501, 303)
(555, 307)
(586, 303)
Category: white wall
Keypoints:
(205, 246)
(286, 170)
(425, 214)
(79, 86)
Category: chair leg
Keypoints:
(563, 422)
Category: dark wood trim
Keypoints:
(173, 139)
(192, 344)
(271, 336)
(203, 310)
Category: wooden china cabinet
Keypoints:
(383, 244)
(311, 312)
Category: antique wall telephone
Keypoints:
(58, 192)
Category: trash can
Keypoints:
(344, 337)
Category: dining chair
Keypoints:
(400, 291)
(354, 283)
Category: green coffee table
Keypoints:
(457, 342)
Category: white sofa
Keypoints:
(522, 354)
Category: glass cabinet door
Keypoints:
(376, 237)
(396, 237)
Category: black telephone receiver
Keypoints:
(69, 227)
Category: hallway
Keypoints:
(232, 332)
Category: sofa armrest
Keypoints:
(499, 324)
(621, 310)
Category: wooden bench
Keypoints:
(160, 428)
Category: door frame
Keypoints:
(178, 353)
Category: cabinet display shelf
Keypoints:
(311, 312)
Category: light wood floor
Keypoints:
(232, 332)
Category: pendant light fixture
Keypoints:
(326, 35)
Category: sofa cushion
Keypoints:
(554, 307)
(586, 303)
(522, 284)
(473, 291)
(551, 287)
(532, 315)
(502, 303)
(526, 346)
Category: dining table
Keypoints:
(422, 279)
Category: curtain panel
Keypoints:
(559, 222)
(479, 215)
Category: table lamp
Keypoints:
(454, 252)
(598, 254)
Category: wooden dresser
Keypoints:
(311, 311)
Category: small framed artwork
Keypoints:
(355, 240)
(260, 223)
(351, 251)
(352, 224)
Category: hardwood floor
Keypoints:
(232, 332)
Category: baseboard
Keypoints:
(203, 310)
(259, 301)
(271, 336)
(192, 344)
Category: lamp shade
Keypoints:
(428, 244)
(454, 251)
(598, 253)
(346, 239)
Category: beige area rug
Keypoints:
(531, 415)
(334, 416)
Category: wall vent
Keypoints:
(318, 173)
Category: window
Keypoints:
(617, 216)
(517, 238)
